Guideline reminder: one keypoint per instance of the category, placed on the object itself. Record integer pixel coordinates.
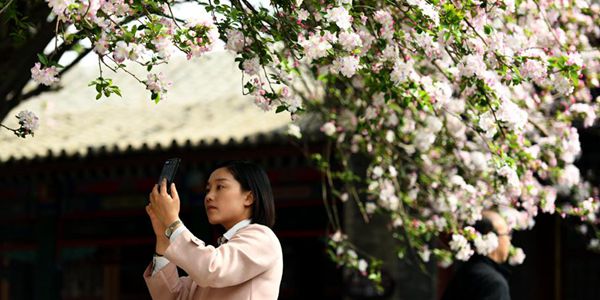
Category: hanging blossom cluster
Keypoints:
(45, 76)
(144, 32)
(456, 106)
(28, 124)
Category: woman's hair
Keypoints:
(253, 177)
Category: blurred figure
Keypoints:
(483, 277)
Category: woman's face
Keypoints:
(225, 202)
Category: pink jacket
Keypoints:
(248, 266)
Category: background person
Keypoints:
(483, 277)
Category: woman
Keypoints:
(248, 264)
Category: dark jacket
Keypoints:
(479, 279)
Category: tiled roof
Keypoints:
(205, 105)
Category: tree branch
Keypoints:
(6, 6)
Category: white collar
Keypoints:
(236, 227)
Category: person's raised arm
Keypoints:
(252, 251)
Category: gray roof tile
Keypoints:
(204, 104)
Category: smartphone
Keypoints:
(169, 170)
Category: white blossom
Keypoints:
(251, 66)
(461, 246)
(315, 47)
(347, 65)
(472, 65)
(236, 40)
(425, 253)
(45, 76)
(339, 16)
(294, 130)
(517, 257)
(328, 128)
(349, 40)
(569, 177)
(486, 244)
(362, 265)
(587, 110)
(512, 178)
(28, 120)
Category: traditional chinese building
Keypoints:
(72, 213)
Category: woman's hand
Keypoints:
(158, 227)
(163, 205)
(162, 242)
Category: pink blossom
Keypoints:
(384, 18)
(121, 51)
(59, 7)
(349, 40)
(29, 121)
(472, 65)
(328, 128)
(570, 145)
(236, 40)
(367, 39)
(488, 124)
(262, 102)
(427, 9)
(387, 24)
(303, 15)
(251, 66)
(512, 180)
(340, 16)
(315, 47)
(548, 200)
(116, 7)
(574, 59)
(587, 110)
(569, 177)
(293, 103)
(101, 46)
(431, 48)
(535, 70)
(158, 84)
(163, 47)
(390, 53)
(45, 76)
(513, 115)
(346, 66)
(404, 71)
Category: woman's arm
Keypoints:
(252, 251)
(166, 284)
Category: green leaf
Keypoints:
(280, 108)
(487, 29)
(43, 59)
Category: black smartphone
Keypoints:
(169, 170)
